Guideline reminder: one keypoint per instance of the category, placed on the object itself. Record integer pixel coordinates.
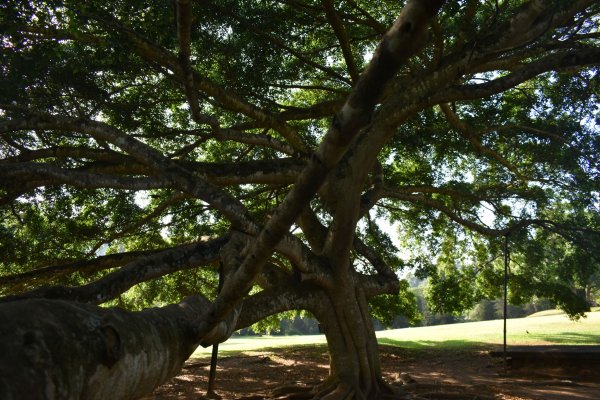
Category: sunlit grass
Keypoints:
(250, 344)
(554, 328)
(550, 329)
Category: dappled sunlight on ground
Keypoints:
(254, 376)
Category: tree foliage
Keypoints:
(146, 145)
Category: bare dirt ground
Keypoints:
(439, 374)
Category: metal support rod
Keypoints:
(505, 297)
(210, 392)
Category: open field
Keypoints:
(441, 359)
(550, 329)
(554, 312)
(546, 329)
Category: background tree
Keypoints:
(146, 144)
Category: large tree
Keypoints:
(145, 145)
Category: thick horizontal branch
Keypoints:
(85, 153)
(143, 269)
(316, 111)
(278, 171)
(558, 61)
(302, 296)
(178, 176)
(267, 172)
(14, 176)
(375, 285)
(50, 273)
(59, 349)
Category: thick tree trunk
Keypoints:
(52, 349)
(355, 371)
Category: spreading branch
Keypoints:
(340, 32)
(143, 269)
(156, 55)
(404, 39)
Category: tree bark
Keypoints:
(53, 349)
(355, 371)
(354, 356)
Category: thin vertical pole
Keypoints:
(505, 296)
(210, 392)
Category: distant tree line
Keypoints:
(487, 309)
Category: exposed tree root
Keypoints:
(293, 392)
(384, 391)
(329, 390)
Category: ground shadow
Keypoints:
(568, 337)
(453, 368)
(455, 344)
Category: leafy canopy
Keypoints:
(492, 130)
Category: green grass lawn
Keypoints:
(251, 344)
(549, 328)
(554, 312)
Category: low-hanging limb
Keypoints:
(141, 270)
(284, 297)
(49, 273)
(14, 175)
(73, 350)
(175, 173)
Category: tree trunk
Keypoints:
(52, 349)
(588, 296)
(355, 371)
